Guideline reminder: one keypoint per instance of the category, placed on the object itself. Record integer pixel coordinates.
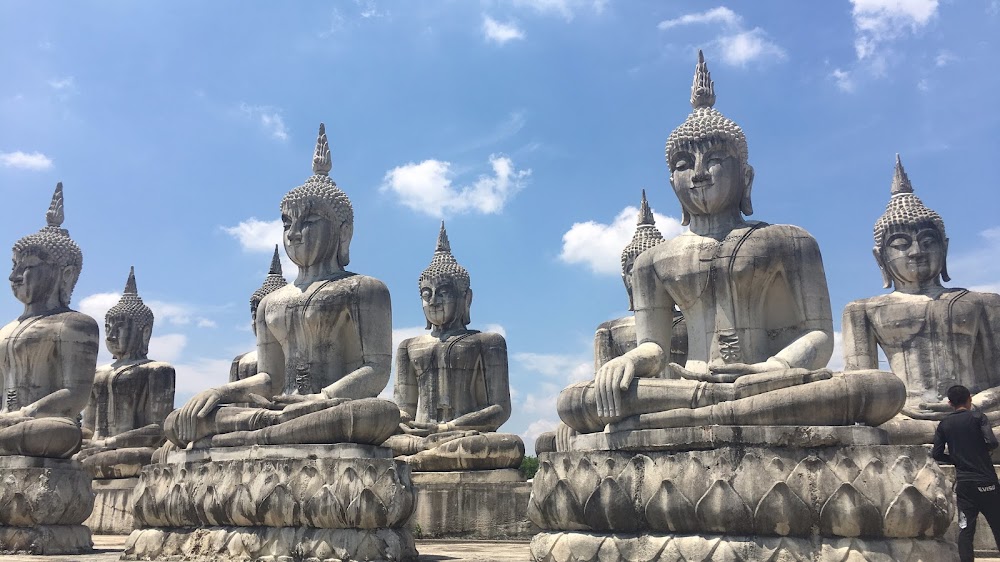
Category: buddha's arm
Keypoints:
(373, 313)
(406, 392)
(90, 417)
(73, 370)
(860, 345)
(497, 378)
(806, 280)
(159, 396)
(986, 355)
(602, 345)
(270, 356)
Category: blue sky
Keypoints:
(530, 126)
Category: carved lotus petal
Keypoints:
(609, 508)
(848, 513)
(781, 512)
(213, 507)
(931, 482)
(243, 509)
(878, 484)
(561, 510)
(385, 487)
(722, 510)
(846, 469)
(349, 485)
(690, 477)
(904, 469)
(641, 551)
(813, 481)
(631, 477)
(262, 484)
(145, 509)
(369, 475)
(545, 479)
(751, 480)
(19, 511)
(366, 511)
(177, 502)
(568, 549)
(584, 479)
(607, 467)
(323, 510)
(696, 548)
(724, 553)
(910, 515)
(309, 481)
(279, 508)
(669, 510)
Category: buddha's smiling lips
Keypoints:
(701, 186)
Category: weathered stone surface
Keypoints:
(933, 336)
(594, 547)
(45, 539)
(40, 491)
(268, 544)
(468, 477)
(863, 491)
(112, 513)
(334, 493)
(245, 364)
(471, 507)
(715, 436)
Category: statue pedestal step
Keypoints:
(42, 505)
(346, 502)
(742, 503)
(474, 504)
(112, 513)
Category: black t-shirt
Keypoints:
(970, 439)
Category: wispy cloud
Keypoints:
(25, 160)
(269, 118)
(844, 79)
(567, 9)
(427, 187)
(736, 44)
(255, 235)
(944, 58)
(879, 21)
(599, 246)
(977, 268)
(550, 374)
(66, 84)
(500, 33)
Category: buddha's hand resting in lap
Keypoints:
(927, 411)
(611, 380)
(196, 409)
(423, 429)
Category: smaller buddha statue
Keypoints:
(48, 354)
(933, 336)
(245, 364)
(131, 396)
(452, 385)
(324, 342)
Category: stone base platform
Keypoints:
(808, 502)
(112, 513)
(329, 502)
(42, 505)
(475, 504)
(716, 436)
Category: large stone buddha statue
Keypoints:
(131, 396)
(933, 336)
(323, 342)
(755, 300)
(452, 385)
(49, 352)
(245, 365)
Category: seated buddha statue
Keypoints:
(452, 385)
(756, 305)
(324, 342)
(131, 396)
(47, 355)
(933, 336)
(245, 364)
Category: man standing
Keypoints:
(970, 439)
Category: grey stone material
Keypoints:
(112, 513)
(718, 436)
(41, 491)
(596, 547)
(933, 336)
(452, 386)
(268, 544)
(502, 475)
(338, 493)
(46, 540)
(245, 365)
(886, 492)
(472, 507)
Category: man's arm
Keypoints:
(937, 451)
(988, 436)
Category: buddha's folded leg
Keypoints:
(577, 405)
(118, 463)
(870, 397)
(224, 419)
(483, 451)
(367, 421)
(146, 436)
(403, 444)
(57, 438)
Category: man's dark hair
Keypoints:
(958, 395)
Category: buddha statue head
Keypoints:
(47, 264)
(646, 236)
(910, 243)
(317, 216)
(444, 289)
(128, 325)
(272, 282)
(709, 167)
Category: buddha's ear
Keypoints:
(147, 333)
(344, 243)
(685, 216)
(628, 289)
(944, 262)
(67, 281)
(746, 205)
(467, 313)
(886, 278)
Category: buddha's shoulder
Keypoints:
(859, 306)
(70, 320)
(159, 366)
(491, 339)
(780, 234)
(617, 324)
(990, 300)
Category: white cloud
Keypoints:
(836, 363)
(500, 33)
(269, 118)
(736, 45)
(944, 58)
(877, 22)
(25, 160)
(197, 375)
(368, 10)
(206, 323)
(565, 8)
(923, 85)
(255, 235)
(977, 268)
(167, 347)
(67, 84)
(496, 329)
(557, 372)
(844, 79)
(599, 246)
(427, 187)
(721, 15)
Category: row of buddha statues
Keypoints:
(732, 325)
